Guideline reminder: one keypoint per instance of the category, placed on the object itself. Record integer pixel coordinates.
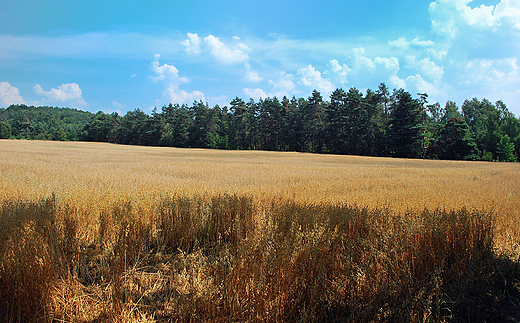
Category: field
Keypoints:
(95, 232)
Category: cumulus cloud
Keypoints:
(497, 75)
(192, 44)
(417, 84)
(223, 53)
(312, 78)
(169, 74)
(482, 31)
(180, 96)
(448, 17)
(425, 66)
(478, 48)
(9, 94)
(396, 82)
(362, 71)
(165, 72)
(252, 76)
(341, 71)
(255, 94)
(283, 82)
(69, 92)
(216, 48)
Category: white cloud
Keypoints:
(118, 105)
(69, 92)
(170, 75)
(397, 83)
(223, 53)
(492, 74)
(165, 72)
(449, 16)
(255, 94)
(362, 71)
(252, 76)
(192, 44)
(180, 96)
(283, 83)
(312, 78)
(9, 94)
(416, 42)
(479, 32)
(387, 65)
(341, 71)
(425, 67)
(479, 47)
(417, 84)
(384, 66)
(360, 62)
(221, 100)
(220, 51)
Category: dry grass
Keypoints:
(99, 232)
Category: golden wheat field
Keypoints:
(93, 175)
(285, 212)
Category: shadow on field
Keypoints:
(231, 258)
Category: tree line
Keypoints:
(374, 123)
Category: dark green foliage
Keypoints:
(101, 127)
(455, 142)
(406, 117)
(5, 130)
(506, 150)
(489, 123)
(45, 123)
(352, 122)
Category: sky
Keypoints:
(116, 56)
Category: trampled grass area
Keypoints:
(99, 232)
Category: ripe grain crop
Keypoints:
(94, 231)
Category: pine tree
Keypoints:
(405, 132)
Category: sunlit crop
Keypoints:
(105, 232)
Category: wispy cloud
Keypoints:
(88, 45)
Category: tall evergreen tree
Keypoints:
(406, 120)
(336, 130)
(384, 100)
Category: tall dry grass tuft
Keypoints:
(340, 263)
(229, 257)
(29, 259)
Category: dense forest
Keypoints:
(374, 123)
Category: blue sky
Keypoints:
(121, 55)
